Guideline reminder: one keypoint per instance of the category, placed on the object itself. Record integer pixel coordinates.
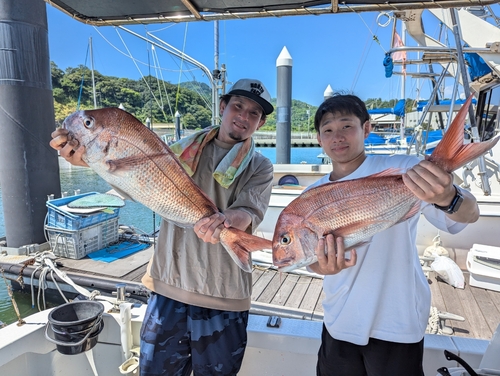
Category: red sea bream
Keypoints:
(135, 161)
(357, 209)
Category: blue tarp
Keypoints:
(433, 136)
(374, 139)
(398, 109)
(477, 66)
(446, 102)
(117, 251)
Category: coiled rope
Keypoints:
(45, 265)
(433, 325)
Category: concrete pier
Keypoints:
(295, 142)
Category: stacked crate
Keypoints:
(75, 236)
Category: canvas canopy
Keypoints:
(113, 12)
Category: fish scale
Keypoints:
(351, 206)
(156, 175)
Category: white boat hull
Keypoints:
(290, 349)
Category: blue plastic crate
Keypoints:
(69, 221)
(79, 243)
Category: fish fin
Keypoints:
(120, 193)
(415, 209)
(388, 172)
(357, 246)
(116, 166)
(451, 153)
(239, 244)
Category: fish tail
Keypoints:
(239, 244)
(451, 153)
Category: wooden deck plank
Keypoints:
(319, 304)
(478, 325)
(272, 288)
(137, 274)
(489, 310)
(285, 289)
(312, 296)
(454, 305)
(295, 298)
(261, 284)
(256, 274)
(436, 296)
(495, 297)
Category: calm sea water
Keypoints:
(131, 214)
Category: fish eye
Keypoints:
(285, 240)
(88, 122)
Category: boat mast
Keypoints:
(465, 83)
(92, 66)
(403, 90)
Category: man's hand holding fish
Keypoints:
(70, 149)
(331, 256)
(432, 184)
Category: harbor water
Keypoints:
(132, 214)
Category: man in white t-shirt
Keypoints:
(377, 299)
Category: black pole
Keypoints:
(29, 169)
(177, 126)
(284, 107)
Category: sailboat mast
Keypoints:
(465, 83)
(92, 69)
(403, 90)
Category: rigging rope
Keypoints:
(362, 62)
(155, 61)
(46, 265)
(142, 76)
(161, 69)
(81, 84)
(180, 72)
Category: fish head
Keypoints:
(94, 129)
(294, 243)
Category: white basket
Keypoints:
(79, 243)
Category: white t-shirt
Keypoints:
(385, 295)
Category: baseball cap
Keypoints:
(254, 90)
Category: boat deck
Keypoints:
(300, 295)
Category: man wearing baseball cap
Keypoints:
(198, 311)
(255, 90)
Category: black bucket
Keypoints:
(75, 326)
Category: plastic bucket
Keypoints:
(75, 326)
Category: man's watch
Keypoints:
(455, 203)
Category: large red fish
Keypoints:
(135, 161)
(340, 208)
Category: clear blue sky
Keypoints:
(337, 50)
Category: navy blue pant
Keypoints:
(377, 358)
(178, 338)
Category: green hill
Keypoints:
(155, 99)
